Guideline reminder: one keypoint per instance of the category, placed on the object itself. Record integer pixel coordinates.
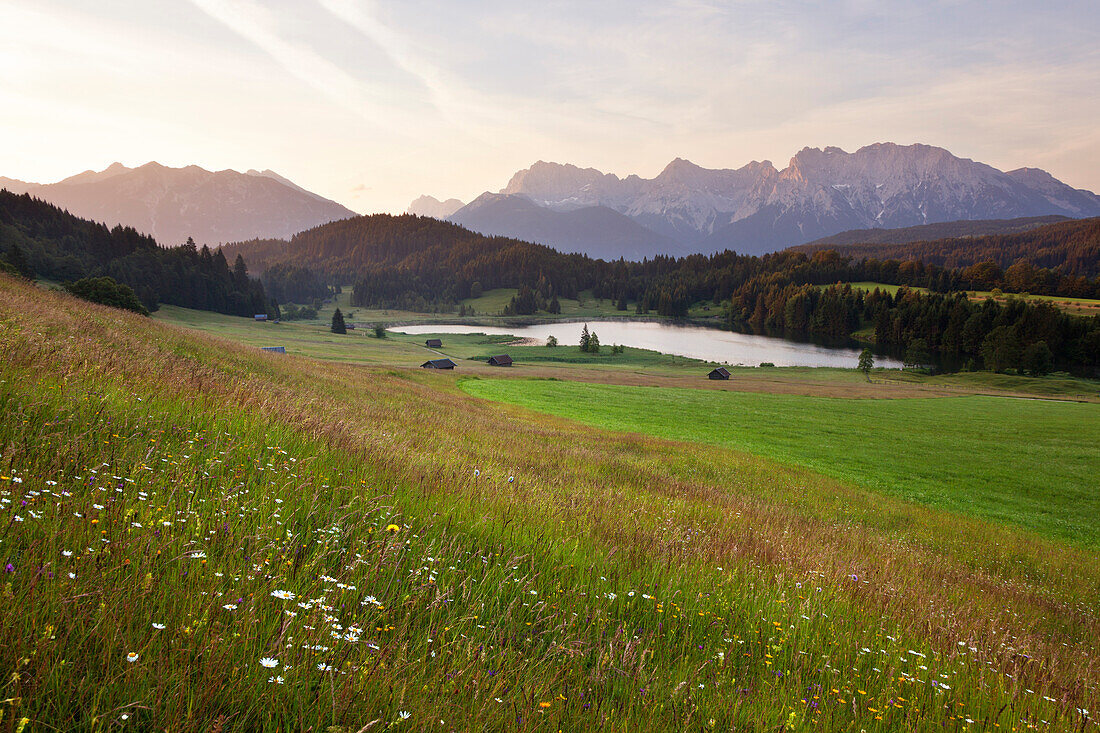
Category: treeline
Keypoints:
(58, 246)
(947, 331)
(1067, 249)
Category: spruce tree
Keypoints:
(585, 338)
(240, 273)
(338, 322)
(19, 261)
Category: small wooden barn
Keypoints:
(434, 343)
(438, 364)
(719, 373)
(501, 360)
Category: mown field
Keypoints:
(1031, 463)
(197, 535)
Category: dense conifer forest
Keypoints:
(53, 244)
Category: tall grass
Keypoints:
(610, 584)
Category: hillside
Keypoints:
(172, 204)
(61, 247)
(226, 535)
(434, 260)
(1071, 247)
(930, 232)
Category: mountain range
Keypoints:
(172, 204)
(758, 208)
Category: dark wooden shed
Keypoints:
(719, 373)
(438, 364)
(501, 360)
(434, 343)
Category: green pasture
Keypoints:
(1029, 463)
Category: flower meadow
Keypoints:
(176, 561)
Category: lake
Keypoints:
(708, 344)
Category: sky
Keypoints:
(374, 103)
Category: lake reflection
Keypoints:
(709, 344)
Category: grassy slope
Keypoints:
(493, 301)
(315, 339)
(1073, 306)
(1030, 463)
(617, 583)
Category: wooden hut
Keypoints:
(501, 360)
(719, 373)
(434, 343)
(438, 364)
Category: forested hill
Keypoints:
(1071, 247)
(431, 260)
(942, 230)
(56, 245)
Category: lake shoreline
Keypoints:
(678, 338)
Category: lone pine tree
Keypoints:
(338, 322)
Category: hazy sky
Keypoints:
(373, 103)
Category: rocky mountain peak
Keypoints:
(172, 204)
(433, 207)
(822, 191)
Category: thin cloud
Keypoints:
(257, 25)
(396, 47)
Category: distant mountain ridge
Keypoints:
(1070, 247)
(758, 208)
(433, 207)
(929, 232)
(172, 204)
(597, 231)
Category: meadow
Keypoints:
(634, 366)
(198, 535)
(1073, 306)
(1031, 463)
(315, 339)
